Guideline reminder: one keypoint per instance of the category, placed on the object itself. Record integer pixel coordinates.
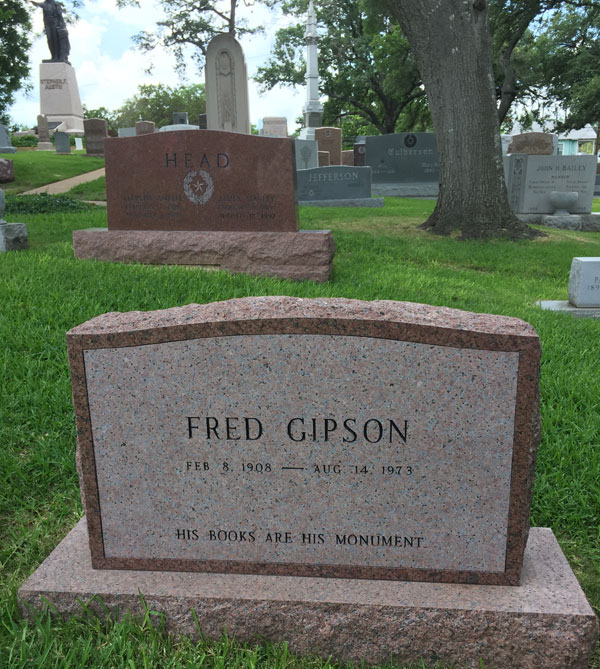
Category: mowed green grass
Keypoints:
(380, 254)
(38, 168)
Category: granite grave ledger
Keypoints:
(336, 185)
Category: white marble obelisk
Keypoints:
(313, 109)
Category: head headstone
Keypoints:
(96, 131)
(533, 144)
(62, 142)
(336, 182)
(306, 154)
(226, 86)
(274, 126)
(180, 118)
(584, 282)
(408, 157)
(126, 132)
(324, 159)
(359, 154)
(348, 157)
(330, 139)
(145, 127)
(531, 179)
(78, 144)
(42, 127)
(5, 143)
(7, 170)
(199, 180)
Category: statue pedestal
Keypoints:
(59, 96)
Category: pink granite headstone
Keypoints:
(326, 437)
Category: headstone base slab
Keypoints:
(579, 222)
(306, 254)
(546, 622)
(13, 237)
(44, 146)
(568, 308)
(356, 202)
(416, 189)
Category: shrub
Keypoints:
(24, 140)
(44, 204)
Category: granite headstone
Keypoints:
(145, 127)
(531, 179)
(96, 131)
(44, 143)
(62, 142)
(330, 139)
(226, 86)
(337, 183)
(584, 282)
(7, 170)
(306, 154)
(403, 158)
(5, 143)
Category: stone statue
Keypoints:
(56, 30)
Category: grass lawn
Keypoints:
(38, 168)
(380, 255)
(91, 190)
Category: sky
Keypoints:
(109, 68)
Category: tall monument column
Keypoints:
(59, 93)
(313, 109)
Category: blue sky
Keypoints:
(109, 68)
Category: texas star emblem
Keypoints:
(198, 187)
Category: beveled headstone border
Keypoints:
(401, 321)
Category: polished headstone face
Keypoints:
(336, 182)
(200, 180)
(403, 158)
(321, 437)
(584, 282)
(531, 179)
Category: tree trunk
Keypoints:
(451, 44)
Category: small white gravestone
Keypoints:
(584, 282)
(226, 86)
(78, 144)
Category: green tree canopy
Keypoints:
(365, 65)
(192, 24)
(15, 28)
(157, 102)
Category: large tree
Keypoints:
(511, 24)
(451, 44)
(15, 28)
(192, 24)
(157, 102)
(365, 64)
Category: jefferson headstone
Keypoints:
(226, 86)
(336, 185)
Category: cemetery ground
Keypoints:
(381, 254)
